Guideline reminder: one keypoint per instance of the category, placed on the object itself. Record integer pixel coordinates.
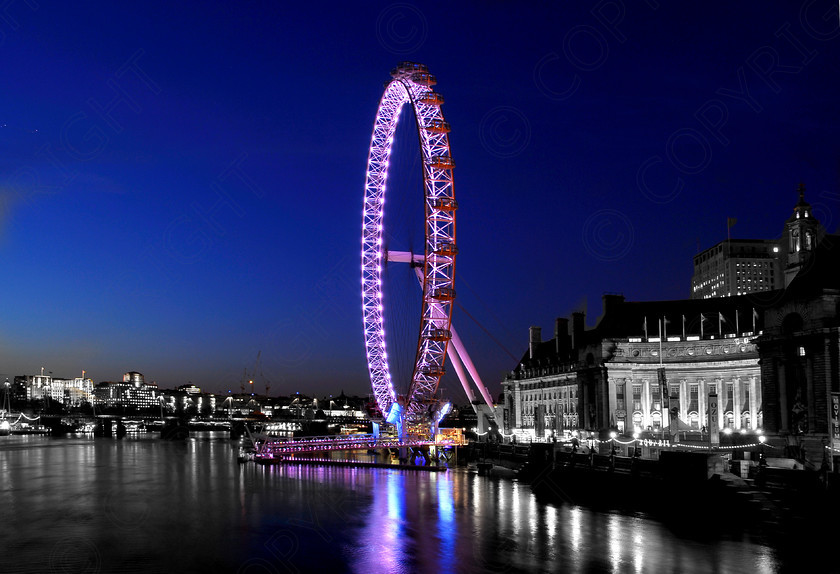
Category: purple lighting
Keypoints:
(411, 84)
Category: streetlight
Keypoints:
(612, 450)
(762, 462)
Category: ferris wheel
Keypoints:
(411, 84)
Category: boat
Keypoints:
(246, 455)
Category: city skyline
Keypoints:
(182, 191)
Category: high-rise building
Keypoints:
(739, 266)
(736, 266)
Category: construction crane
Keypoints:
(258, 373)
(255, 371)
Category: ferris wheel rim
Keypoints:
(410, 85)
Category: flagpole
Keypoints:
(702, 320)
(646, 335)
(663, 389)
(737, 329)
(720, 324)
(683, 317)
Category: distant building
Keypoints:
(133, 391)
(739, 266)
(190, 389)
(68, 392)
(134, 378)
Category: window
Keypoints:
(656, 400)
(637, 397)
(794, 240)
(619, 397)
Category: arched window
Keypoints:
(745, 420)
(694, 420)
(792, 323)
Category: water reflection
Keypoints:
(141, 504)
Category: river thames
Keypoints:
(85, 505)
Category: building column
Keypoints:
(647, 417)
(702, 399)
(784, 423)
(607, 400)
(755, 401)
(809, 386)
(516, 415)
(736, 401)
(684, 400)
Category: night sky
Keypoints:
(182, 182)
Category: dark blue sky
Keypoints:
(182, 182)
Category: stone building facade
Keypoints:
(800, 354)
(608, 377)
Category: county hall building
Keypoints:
(768, 351)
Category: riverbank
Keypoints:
(688, 489)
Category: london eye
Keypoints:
(413, 400)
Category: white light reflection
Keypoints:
(614, 537)
(533, 516)
(575, 533)
(516, 514)
(638, 549)
(550, 530)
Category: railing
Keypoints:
(274, 446)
